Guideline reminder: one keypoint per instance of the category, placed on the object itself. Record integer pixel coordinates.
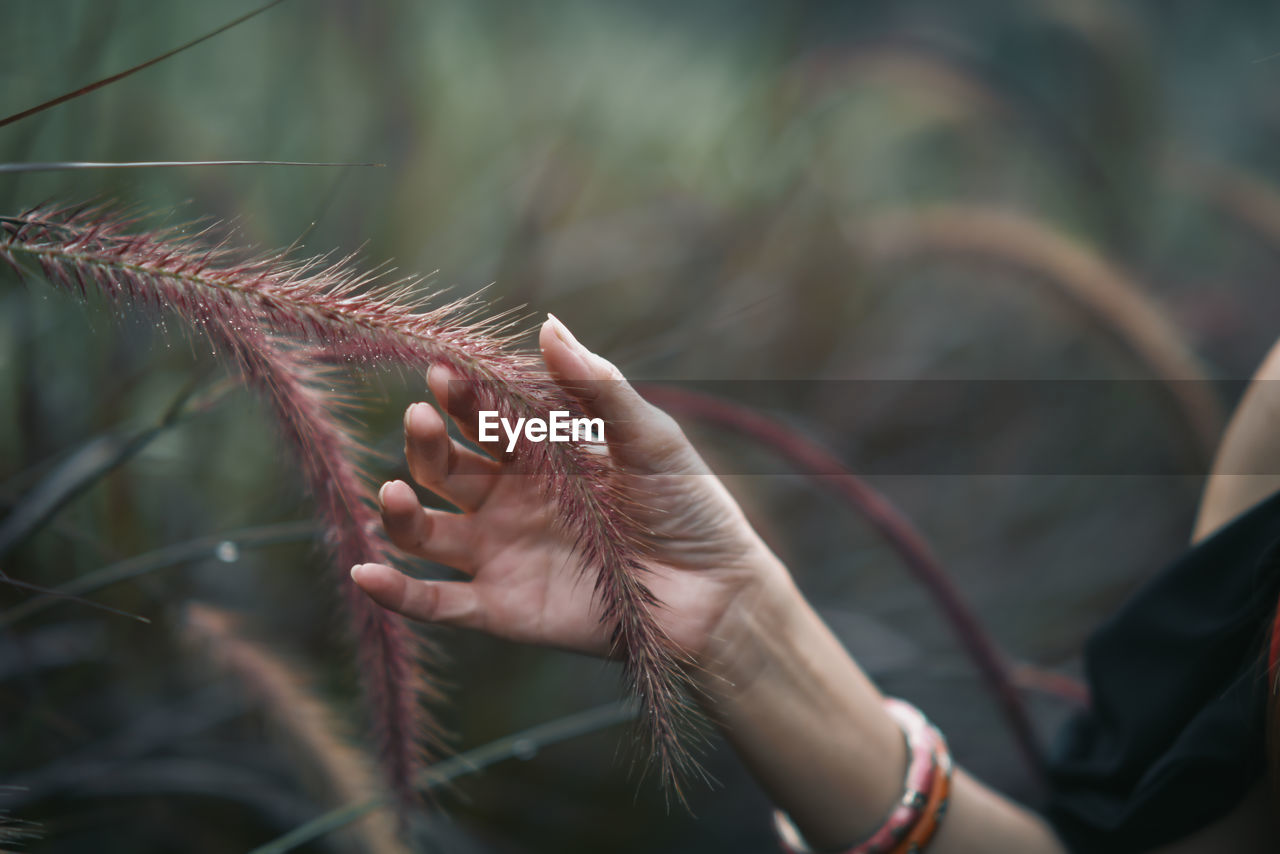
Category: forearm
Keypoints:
(1246, 468)
(813, 730)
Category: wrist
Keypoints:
(750, 637)
(804, 717)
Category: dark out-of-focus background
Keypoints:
(732, 192)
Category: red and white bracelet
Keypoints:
(914, 819)
(934, 811)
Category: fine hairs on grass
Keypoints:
(327, 762)
(275, 319)
(85, 257)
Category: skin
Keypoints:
(799, 711)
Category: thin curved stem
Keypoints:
(107, 81)
(66, 165)
(892, 525)
(163, 558)
(518, 744)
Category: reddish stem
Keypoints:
(900, 534)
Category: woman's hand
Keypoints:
(528, 583)
(801, 714)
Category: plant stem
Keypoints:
(517, 744)
(888, 521)
(163, 558)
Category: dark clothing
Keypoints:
(1174, 738)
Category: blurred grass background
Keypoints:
(700, 192)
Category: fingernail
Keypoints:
(562, 332)
(382, 491)
(410, 414)
(355, 572)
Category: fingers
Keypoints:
(456, 397)
(437, 462)
(432, 534)
(637, 431)
(452, 603)
(639, 434)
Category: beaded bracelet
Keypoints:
(927, 752)
(936, 809)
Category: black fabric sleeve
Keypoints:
(1174, 736)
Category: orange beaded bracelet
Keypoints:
(934, 811)
(926, 790)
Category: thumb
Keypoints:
(637, 431)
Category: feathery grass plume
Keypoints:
(1078, 274)
(339, 771)
(83, 252)
(269, 312)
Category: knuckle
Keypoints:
(665, 453)
(419, 544)
(399, 536)
(664, 426)
(666, 444)
(417, 470)
(425, 464)
(609, 372)
(459, 400)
